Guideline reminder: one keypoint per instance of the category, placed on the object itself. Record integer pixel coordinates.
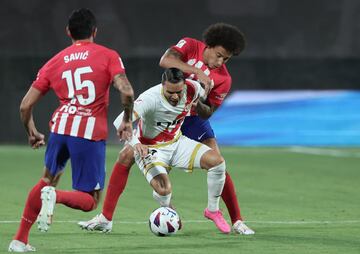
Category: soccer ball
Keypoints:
(164, 221)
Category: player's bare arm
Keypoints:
(35, 138)
(172, 58)
(127, 98)
(122, 83)
(204, 110)
(133, 141)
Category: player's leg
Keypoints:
(30, 213)
(215, 165)
(117, 182)
(155, 168)
(200, 130)
(161, 187)
(229, 196)
(229, 193)
(88, 174)
(190, 154)
(56, 156)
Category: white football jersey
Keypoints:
(160, 122)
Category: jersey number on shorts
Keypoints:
(75, 78)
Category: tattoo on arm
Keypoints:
(127, 95)
(173, 53)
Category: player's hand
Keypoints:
(36, 139)
(207, 87)
(195, 102)
(141, 150)
(125, 131)
(205, 81)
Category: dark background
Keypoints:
(291, 44)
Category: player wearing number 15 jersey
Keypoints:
(80, 76)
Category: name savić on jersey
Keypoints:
(76, 56)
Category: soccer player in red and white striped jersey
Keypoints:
(206, 61)
(203, 61)
(81, 76)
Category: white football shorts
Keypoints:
(182, 153)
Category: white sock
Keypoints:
(215, 181)
(163, 200)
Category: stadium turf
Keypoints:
(298, 200)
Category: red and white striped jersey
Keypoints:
(160, 122)
(191, 51)
(80, 76)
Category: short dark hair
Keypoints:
(172, 75)
(225, 35)
(81, 24)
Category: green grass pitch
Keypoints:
(297, 201)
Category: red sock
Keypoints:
(230, 199)
(76, 200)
(31, 211)
(116, 186)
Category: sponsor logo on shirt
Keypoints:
(221, 96)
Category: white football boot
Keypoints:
(239, 227)
(98, 223)
(18, 246)
(48, 199)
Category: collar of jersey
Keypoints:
(80, 43)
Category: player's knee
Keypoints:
(219, 160)
(219, 169)
(126, 156)
(93, 201)
(93, 207)
(211, 159)
(50, 179)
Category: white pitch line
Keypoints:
(206, 221)
(323, 151)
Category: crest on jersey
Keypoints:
(181, 43)
(138, 101)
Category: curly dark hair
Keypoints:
(225, 35)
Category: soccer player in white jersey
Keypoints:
(159, 144)
(204, 61)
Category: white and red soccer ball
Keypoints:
(164, 221)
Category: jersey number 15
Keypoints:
(75, 78)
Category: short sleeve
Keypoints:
(218, 93)
(116, 65)
(185, 47)
(144, 104)
(198, 90)
(42, 82)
